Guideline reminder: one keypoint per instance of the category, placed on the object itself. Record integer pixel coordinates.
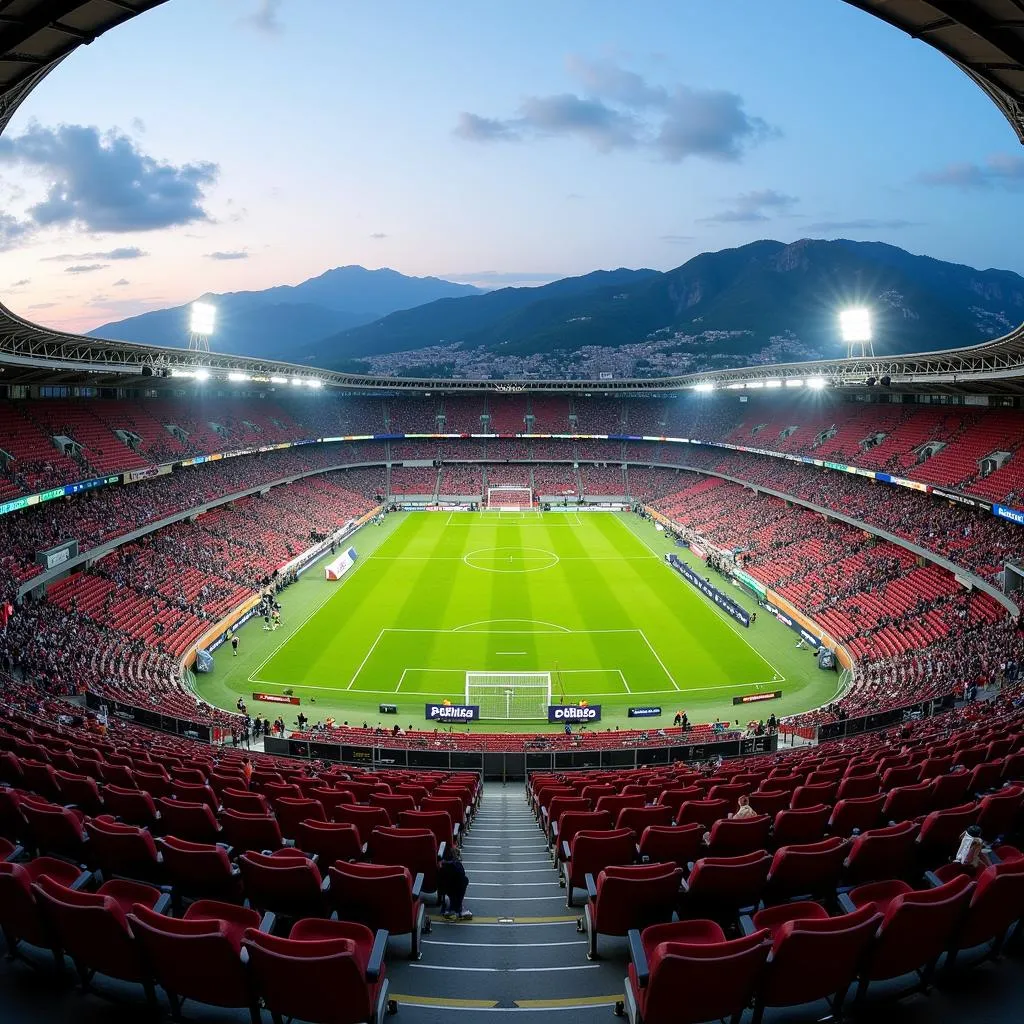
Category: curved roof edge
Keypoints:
(985, 38)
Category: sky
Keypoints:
(227, 145)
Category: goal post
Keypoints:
(509, 499)
(510, 696)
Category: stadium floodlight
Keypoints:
(202, 374)
(795, 382)
(704, 387)
(773, 383)
(278, 380)
(816, 383)
(236, 376)
(758, 384)
(855, 325)
(735, 385)
(314, 383)
(183, 373)
(204, 315)
(297, 381)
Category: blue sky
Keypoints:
(224, 145)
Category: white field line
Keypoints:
(365, 660)
(332, 592)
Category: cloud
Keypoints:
(85, 268)
(120, 283)
(676, 239)
(999, 171)
(234, 254)
(102, 181)
(266, 18)
(475, 128)
(752, 206)
(132, 252)
(620, 110)
(378, 235)
(862, 224)
(43, 305)
(20, 284)
(12, 231)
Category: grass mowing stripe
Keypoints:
(421, 614)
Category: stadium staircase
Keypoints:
(521, 951)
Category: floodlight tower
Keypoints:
(200, 326)
(855, 327)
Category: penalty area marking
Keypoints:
(468, 627)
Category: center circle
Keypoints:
(511, 559)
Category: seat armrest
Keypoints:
(932, 879)
(269, 922)
(84, 879)
(162, 905)
(591, 886)
(376, 962)
(846, 904)
(566, 852)
(554, 831)
(417, 885)
(456, 828)
(639, 957)
(228, 849)
(363, 849)
(17, 852)
(747, 925)
(442, 846)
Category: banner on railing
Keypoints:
(709, 590)
(574, 713)
(453, 712)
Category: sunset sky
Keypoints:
(224, 145)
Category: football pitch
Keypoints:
(585, 597)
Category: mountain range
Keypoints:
(277, 323)
(762, 302)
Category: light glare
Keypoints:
(204, 315)
(202, 374)
(704, 387)
(855, 324)
(794, 382)
(817, 383)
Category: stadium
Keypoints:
(710, 679)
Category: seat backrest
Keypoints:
(813, 796)
(573, 822)
(941, 831)
(812, 869)
(174, 946)
(194, 821)
(331, 840)
(678, 843)
(592, 852)
(365, 818)
(377, 895)
(308, 979)
(635, 896)
(292, 810)
(612, 803)
(393, 803)
(243, 800)
(917, 927)
(636, 819)
(438, 822)
(561, 803)
(812, 959)
(724, 884)
(92, 929)
(244, 831)
(678, 795)
(882, 853)
(997, 902)
(800, 825)
(731, 836)
(197, 868)
(707, 812)
(413, 848)
(856, 814)
(288, 885)
(999, 812)
(853, 786)
(119, 849)
(718, 979)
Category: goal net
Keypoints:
(509, 499)
(510, 695)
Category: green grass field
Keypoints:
(584, 596)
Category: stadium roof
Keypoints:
(985, 38)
